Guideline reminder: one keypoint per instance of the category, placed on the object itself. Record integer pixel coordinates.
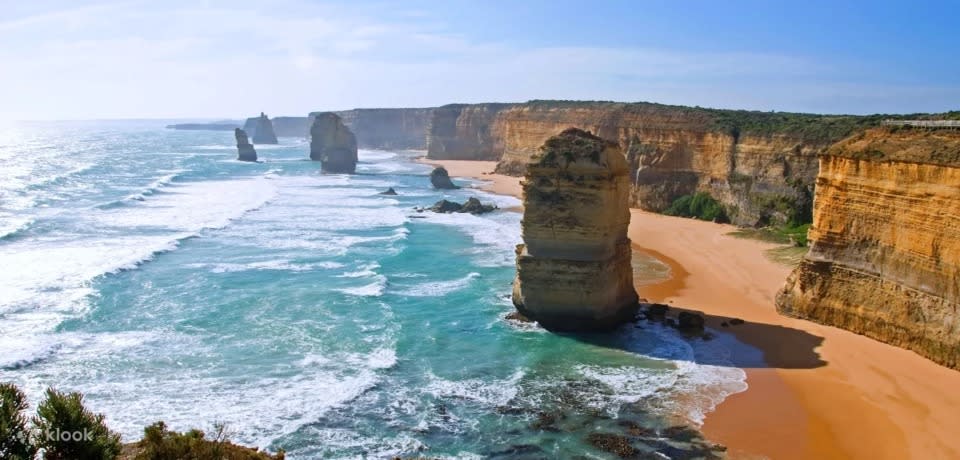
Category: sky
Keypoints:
(69, 59)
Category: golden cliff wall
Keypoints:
(884, 257)
(761, 166)
(573, 270)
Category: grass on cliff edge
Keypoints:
(793, 241)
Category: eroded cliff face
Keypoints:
(760, 166)
(388, 128)
(574, 270)
(463, 132)
(333, 144)
(884, 257)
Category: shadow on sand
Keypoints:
(725, 342)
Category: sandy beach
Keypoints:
(819, 392)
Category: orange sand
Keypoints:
(822, 392)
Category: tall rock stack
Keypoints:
(573, 270)
(245, 151)
(333, 144)
(264, 133)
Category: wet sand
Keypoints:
(819, 392)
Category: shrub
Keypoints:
(159, 443)
(700, 206)
(69, 431)
(15, 439)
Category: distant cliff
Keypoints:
(884, 257)
(463, 132)
(225, 125)
(291, 126)
(388, 128)
(761, 166)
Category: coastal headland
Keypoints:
(819, 391)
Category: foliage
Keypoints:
(68, 431)
(792, 235)
(700, 206)
(15, 439)
(159, 443)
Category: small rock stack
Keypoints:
(245, 151)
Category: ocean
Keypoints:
(151, 271)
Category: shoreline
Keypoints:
(819, 392)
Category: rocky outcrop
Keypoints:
(574, 270)
(463, 132)
(389, 191)
(245, 151)
(471, 206)
(440, 179)
(263, 133)
(761, 166)
(333, 144)
(393, 129)
(884, 257)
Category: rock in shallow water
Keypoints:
(472, 206)
(333, 144)
(440, 178)
(264, 133)
(245, 151)
(573, 270)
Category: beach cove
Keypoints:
(817, 391)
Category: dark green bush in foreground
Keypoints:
(68, 431)
(699, 206)
(15, 442)
(159, 443)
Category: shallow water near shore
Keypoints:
(151, 271)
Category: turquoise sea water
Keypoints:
(151, 271)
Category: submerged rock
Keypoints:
(472, 206)
(690, 322)
(440, 178)
(333, 144)
(574, 270)
(389, 191)
(264, 133)
(245, 151)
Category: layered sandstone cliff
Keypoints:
(760, 166)
(333, 144)
(245, 151)
(574, 270)
(884, 257)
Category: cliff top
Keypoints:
(915, 145)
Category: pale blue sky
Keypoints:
(148, 59)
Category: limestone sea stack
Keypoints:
(573, 269)
(440, 178)
(884, 257)
(333, 144)
(264, 133)
(245, 151)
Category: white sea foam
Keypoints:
(490, 392)
(374, 289)
(439, 288)
(496, 235)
